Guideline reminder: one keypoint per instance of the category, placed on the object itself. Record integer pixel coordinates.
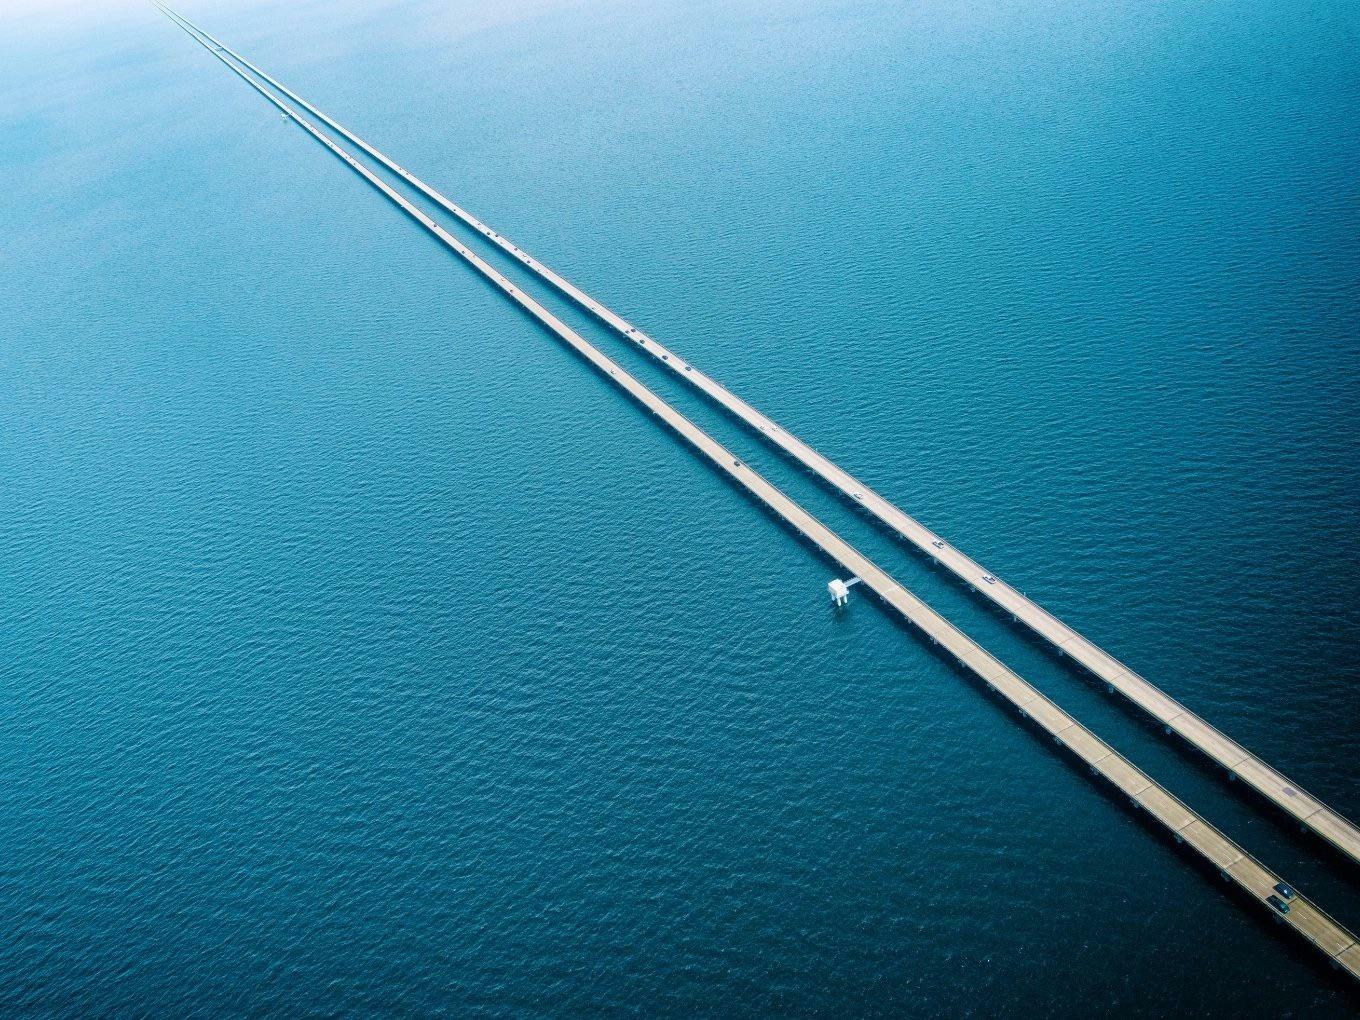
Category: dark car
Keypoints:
(1286, 892)
(1278, 903)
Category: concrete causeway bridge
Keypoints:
(1185, 825)
(1308, 810)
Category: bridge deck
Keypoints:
(1308, 810)
(1251, 877)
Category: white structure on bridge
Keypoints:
(840, 590)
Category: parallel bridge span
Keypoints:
(1308, 810)
(1176, 818)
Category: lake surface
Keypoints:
(361, 650)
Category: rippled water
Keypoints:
(363, 651)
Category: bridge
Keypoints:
(1155, 802)
(1309, 811)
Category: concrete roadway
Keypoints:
(1180, 821)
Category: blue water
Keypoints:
(362, 651)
